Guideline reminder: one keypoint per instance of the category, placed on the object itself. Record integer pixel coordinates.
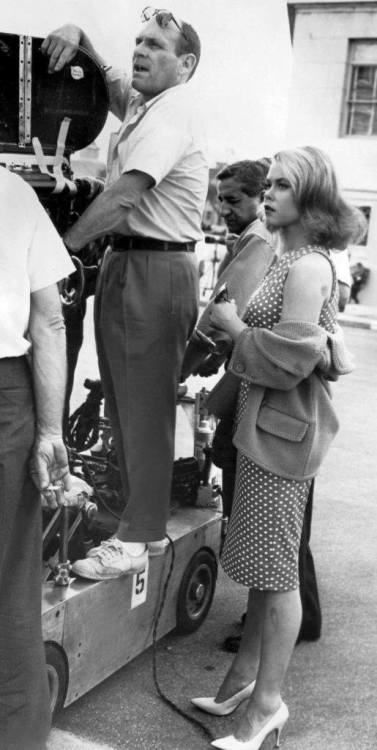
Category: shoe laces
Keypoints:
(108, 549)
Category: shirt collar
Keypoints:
(137, 99)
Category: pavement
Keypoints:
(359, 316)
(330, 686)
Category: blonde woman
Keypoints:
(285, 423)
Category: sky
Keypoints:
(241, 85)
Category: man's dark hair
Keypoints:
(188, 42)
(250, 174)
(265, 161)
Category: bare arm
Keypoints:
(307, 287)
(47, 332)
(109, 210)
(61, 46)
(282, 357)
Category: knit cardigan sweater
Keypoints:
(289, 421)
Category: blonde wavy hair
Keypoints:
(329, 221)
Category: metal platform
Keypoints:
(91, 629)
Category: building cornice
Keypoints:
(325, 5)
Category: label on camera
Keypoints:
(77, 72)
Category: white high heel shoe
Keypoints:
(226, 707)
(274, 724)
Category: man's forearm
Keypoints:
(48, 359)
(49, 378)
(104, 216)
(108, 212)
(87, 44)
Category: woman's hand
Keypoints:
(223, 315)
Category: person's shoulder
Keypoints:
(312, 266)
(175, 102)
(176, 112)
(256, 233)
(10, 179)
(257, 228)
(13, 186)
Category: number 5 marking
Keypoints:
(139, 587)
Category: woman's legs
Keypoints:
(244, 667)
(268, 558)
(280, 627)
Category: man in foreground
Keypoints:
(32, 386)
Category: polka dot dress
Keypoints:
(264, 532)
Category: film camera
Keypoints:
(44, 118)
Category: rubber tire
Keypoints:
(194, 601)
(57, 672)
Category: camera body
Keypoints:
(45, 118)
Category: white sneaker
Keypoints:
(110, 560)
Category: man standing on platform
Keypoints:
(147, 297)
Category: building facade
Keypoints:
(333, 103)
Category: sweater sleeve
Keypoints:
(278, 358)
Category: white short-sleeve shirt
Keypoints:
(163, 138)
(342, 266)
(32, 257)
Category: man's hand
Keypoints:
(49, 462)
(61, 46)
(76, 497)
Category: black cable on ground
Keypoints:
(196, 722)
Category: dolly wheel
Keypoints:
(196, 591)
(57, 673)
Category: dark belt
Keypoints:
(122, 243)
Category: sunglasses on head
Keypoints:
(162, 16)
